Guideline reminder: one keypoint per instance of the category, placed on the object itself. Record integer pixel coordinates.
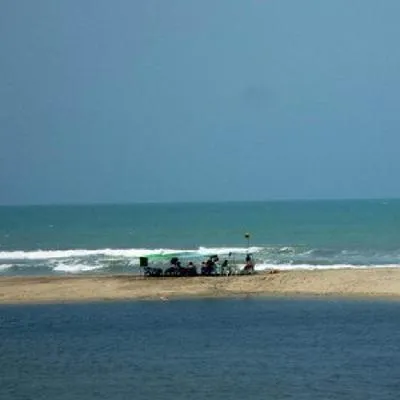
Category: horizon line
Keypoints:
(177, 202)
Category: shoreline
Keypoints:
(382, 283)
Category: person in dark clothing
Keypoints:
(249, 267)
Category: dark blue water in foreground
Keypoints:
(201, 349)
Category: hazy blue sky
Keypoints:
(198, 100)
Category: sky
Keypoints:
(155, 100)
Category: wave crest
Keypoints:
(120, 253)
(127, 260)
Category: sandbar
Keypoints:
(364, 283)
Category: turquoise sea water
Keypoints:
(201, 349)
(284, 234)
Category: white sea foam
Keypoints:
(128, 253)
(76, 268)
(292, 267)
(54, 254)
(3, 267)
(81, 260)
(286, 249)
(226, 250)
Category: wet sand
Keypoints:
(347, 283)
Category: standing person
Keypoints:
(225, 268)
(210, 266)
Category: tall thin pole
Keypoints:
(247, 236)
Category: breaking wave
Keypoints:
(56, 254)
(128, 253)
(4, 267)
(75, 268)
(305, 267)
(80, 261)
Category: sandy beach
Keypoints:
(347, 283)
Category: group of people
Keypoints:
(176, 268)
(213, 266)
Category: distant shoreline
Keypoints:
(350, 283)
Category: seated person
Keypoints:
(207, 267)
(191, 269)
(174, 261)
(249, 267)
(174, 269)
(203, 269)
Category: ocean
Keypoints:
(278, 349)
(75, 239)
(243, 348)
